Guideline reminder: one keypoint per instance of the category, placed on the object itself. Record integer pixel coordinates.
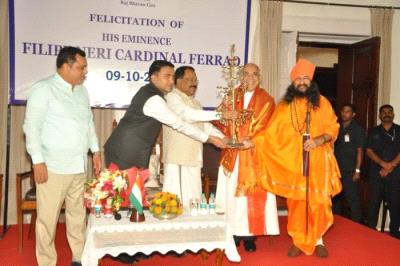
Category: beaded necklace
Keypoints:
(294, 117)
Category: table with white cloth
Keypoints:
(185, 232)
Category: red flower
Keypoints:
(107, 186)
(111, 193)
(113, 167)
(123, 194)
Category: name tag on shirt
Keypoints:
(347, 138)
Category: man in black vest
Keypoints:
(383, 148)
(130, 144)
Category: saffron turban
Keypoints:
(302, 67)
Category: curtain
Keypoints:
(103, 119)
(381, 26)
(3, 92)
(254, 33)
(270, 45)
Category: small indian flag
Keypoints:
(137, 192)
(136, 197)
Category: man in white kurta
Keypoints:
(250, 210)
(183, 156)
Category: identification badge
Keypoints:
(347, 138)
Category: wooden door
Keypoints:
(358, 74)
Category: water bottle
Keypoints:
(203, 205)
(211, 204)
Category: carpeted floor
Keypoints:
(348, 244)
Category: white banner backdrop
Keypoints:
(121, 39)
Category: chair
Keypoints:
(209, 172)
(25, 204)
(207, 184)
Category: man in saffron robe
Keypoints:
(279, 152)
(249, 208)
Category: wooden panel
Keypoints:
(365, 81)
(211, 158)
(344, 77)
(358, 77)
(365, 96)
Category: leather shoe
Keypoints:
(250, 245)
(321, 251)
(76, 263)
(293, 251)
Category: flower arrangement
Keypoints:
(108, 191)
(166, 205)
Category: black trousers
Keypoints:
(385, 189)
(351, 194)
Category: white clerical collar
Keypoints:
(247, 97)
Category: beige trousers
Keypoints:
(50, 197)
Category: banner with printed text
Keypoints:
(122, 38)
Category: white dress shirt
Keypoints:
(192, 115)
(157, 108)
(176, 103)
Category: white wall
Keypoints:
(319, 19)
(321, 57)
(341, 22)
